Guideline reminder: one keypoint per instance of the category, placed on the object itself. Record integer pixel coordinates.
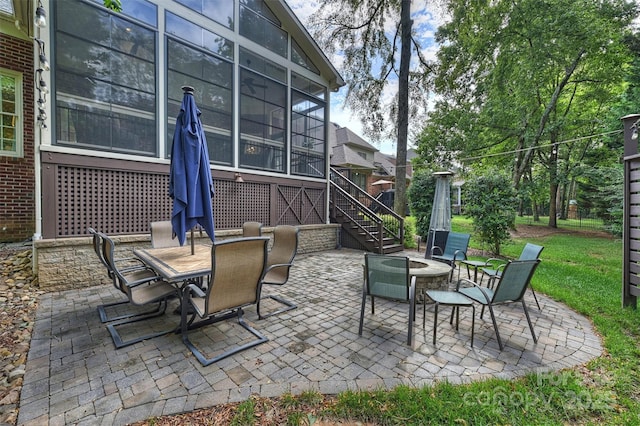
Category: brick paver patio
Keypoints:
(75, 376)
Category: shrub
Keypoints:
(409, 229)
(420, 194)
(491, 201)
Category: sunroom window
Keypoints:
(259, 24)
(307, 128)
(105, 79)
(263, 108)
(212, 79)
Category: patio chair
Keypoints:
(455, 249)
(237, 268)
(510, 288)
(162, 235)
(252, 229)
(142, 287)
(529, 252)
(279, 263)
(388, 277)
(133, 266)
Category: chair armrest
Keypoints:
(136, 283)
(277, 265)
(494, 262)
(433, 249)
(482, 289)
(464, 280)
(457, 252)
(193, 288)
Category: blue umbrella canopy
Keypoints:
(190, 182)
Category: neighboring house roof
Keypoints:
(344, 156)
(345, 136)
(345, 145)
(385, 166)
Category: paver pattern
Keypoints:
(75, 376)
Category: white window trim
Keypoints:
(19, 153)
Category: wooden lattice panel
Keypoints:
(123, 197)
(237, 202)
(113, 201)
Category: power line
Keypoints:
(479, 157)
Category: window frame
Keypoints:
(18, 114)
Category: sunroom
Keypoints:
(109, 100)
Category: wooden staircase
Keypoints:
(361, 217)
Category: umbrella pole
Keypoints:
(193, 249)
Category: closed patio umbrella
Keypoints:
(190, 182)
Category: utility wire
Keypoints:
(479, 157)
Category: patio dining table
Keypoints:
(176, 264)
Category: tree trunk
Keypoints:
(403, 109)
(553, 186)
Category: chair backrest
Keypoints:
(514, 280)
(530, 252)
(98, 247)
(237, 267)
(252, 229)
(457, 242)
(387, 276)
(162, 233)
(108, 251)
(282, 253)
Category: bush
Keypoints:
(409, 229)
(491, 201)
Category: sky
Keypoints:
(425, 23)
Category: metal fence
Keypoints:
(577, 219)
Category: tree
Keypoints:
(490, 200)
(358, 30)
(526, 76)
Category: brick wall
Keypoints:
(70, 263)
(17, 179)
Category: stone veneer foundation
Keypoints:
(71, 263)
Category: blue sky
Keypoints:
(425, 23)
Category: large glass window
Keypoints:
(212, 80)
(220, 11)
(263, 106)
(10, 108)
(198, 36)
(307, 128)
(299, 57)
(259, 24)
(105, 78)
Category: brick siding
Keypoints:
(17, 178)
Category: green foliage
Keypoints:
(602, 190)
(420, 194)
(115, 5)
(491, 201)
(514, 78)
(391, 223)
(245, 414)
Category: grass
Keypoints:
(581, 270)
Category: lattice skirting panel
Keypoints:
(123, 197)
